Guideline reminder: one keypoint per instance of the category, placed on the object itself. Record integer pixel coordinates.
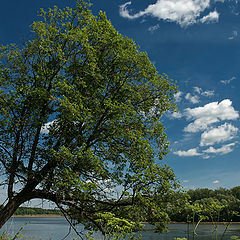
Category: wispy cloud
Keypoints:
(234, 35)
(183, 12)
(192, 98)
(178, 96)
(152, 29)
(175, 115)
(197, 90)
(207, 93)
(123, 11)
(227, 81)
(215, 181)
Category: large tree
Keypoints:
(80, 109)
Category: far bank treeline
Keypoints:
(36, 211)
(203, 204)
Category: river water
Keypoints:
(57, 228)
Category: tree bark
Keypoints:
(13, 203)
(8, 210)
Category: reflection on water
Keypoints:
(58, 228)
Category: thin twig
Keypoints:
(71, 225)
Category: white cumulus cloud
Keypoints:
(183, 12)
(210, 18)
(215, 182)
(208, 114)
(222, 133)
(189, 153)
(222, 150)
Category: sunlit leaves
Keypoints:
(80, 112)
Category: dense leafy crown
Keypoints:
(80, 109)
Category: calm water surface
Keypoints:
(58, 228)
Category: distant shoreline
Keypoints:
(208, 223)
(56, 215)
(37, 215)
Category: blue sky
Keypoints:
(196, 42)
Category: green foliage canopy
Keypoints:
(80, 109)
(205, 204)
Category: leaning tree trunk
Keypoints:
(9, 209)
(13, 204)
(27, 194)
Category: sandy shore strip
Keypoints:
(37, 215)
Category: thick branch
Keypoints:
(14, 166)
